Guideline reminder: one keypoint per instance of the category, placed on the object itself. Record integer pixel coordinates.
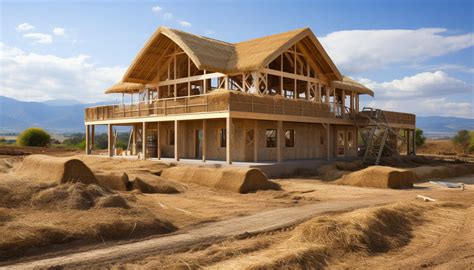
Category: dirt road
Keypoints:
(260, 222)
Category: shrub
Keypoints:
(34, 137)
(419, 138)
(463, 138)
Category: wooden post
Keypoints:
(204, 140)
(92, 135)
(255, 142)
(414, 142)
(228, 140)
(343, 109)
(407, 136)
(158, 140)
(109, 140)
(176, 142)
(144, 140)
(279, 140)
(328, 141)
(357, 102)
(87, 140)
(134, 139)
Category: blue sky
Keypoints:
(418, 56)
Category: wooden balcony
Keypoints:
(395, 119)
(217, 102)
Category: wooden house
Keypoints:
(274, 98)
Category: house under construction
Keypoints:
(274, 98)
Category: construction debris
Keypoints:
(426, 199)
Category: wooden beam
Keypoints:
(158, 140)
(109, 140)
(279, 141)
(204, 140)
(87, 140)
(228, 140)
(176, 140)
(192, 78)
(255, 142)
(290, 75)
(144, 140)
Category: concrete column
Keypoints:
(204, 140)
(109, 140)
(176, 142)
(158, 140)
(228, 140)
(87, 140)
(144, 140)
(279, 141)
(255, 142)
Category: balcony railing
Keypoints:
(225, 101)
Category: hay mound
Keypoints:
(149, 183)
(69, 196)
(446, 171)
(241, 180)
(114, 200)
(113, 180)
(338, 169)
(55, 170)
(379, 177)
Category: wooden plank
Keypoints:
(192, 78)
(279, 141)
(204, 140)
(176, 140)
(229, 138)
(87, 140)
(143, 140)
(109, 140)
(158, 140)
(289, 75)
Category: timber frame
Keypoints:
(179, 82)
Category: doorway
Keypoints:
(198, 143)
(341, 144)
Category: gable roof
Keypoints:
(211, 54)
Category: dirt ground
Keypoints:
(441, 238)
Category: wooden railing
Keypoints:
(390, 117)
(223, 101)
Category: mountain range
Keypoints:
(66, 116)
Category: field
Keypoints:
(149, 221)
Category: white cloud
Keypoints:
(156, 8)
(184, 23)
(24, 27)
(39, 77)
(427, 107)
(461, 68)
(40, 38)
(426, 84)
(360, 50)
(168, 16)
(59, 31)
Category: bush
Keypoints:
(34, 137)
(463, 138)
(419, 138)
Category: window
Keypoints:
(171, 137)
(350, 139)
(222, 138)
(271, 135)
(290, 138)
(322, 139)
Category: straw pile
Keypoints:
(114, 180)
(446, 171)
(150, 183)
(241, 180)
(379, 177)
(50, 169)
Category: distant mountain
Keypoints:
(17, 115)
(440, 126)
(61, 116)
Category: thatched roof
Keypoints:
(351, 85)
(219, 56)
(125, 87)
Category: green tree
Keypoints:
(419, 138)
(34, 137)
(463, 138)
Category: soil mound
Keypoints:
(379, 177)
(241, 180)
(55, 170)
(150, 183)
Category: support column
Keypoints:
(109, 140)
(134, 140)
(255, 142)
(144, 140)
(357, 102)
(414, 142)
(87, 140)
(343, 109)
(204, 140)
(407, 136)
(279, 141)
(176, 142)
(92, 135)
(328, 141)
(228, 140)
(158, 140)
